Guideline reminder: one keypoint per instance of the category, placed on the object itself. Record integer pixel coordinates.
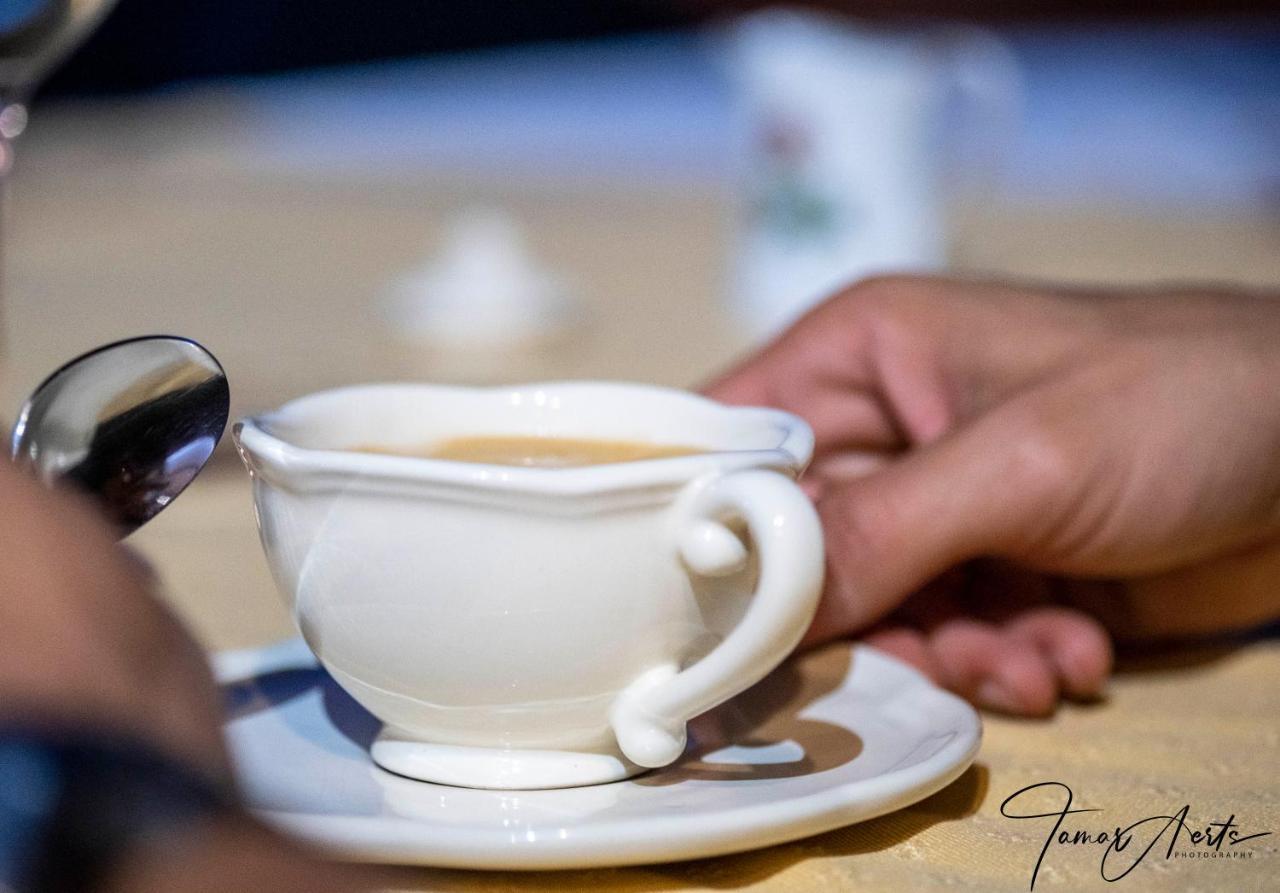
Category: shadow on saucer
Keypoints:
(355, 723)
(246, 697)
(765, 716)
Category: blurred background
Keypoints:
(330, 192)
(334, 192)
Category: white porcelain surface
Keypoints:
(832, 738)
(530, 627)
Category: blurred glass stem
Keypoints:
(13, 120)
(35, 36)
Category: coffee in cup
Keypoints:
(536, 452)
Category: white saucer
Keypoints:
(835, 737)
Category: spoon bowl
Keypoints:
(130, 424)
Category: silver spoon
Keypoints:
(131, 424)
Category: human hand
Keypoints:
(1009, 477)
(86, 642)
(87, 647)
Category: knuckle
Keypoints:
(885, 293)
(850, 320)
(893, 309)
(1040, 458)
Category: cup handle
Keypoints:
(648, 718)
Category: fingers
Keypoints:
(1076, 645)
(826, 346)
(1020, 666)
(978, 661)
(991, 667)
(821, 369)
(992, 488)
(1005, 673)
(836, 469)
(842, 415)
(911, 646)
(88, 641)
(844, 420)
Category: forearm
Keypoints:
(231, 853)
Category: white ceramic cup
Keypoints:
(519, 627)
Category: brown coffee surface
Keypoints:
(535, 452)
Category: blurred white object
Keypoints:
(484, 289)
(484, 310)
(840, 151)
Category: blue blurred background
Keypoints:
(1181, 110)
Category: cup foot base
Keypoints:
(495, 768)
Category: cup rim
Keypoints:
(282, 460)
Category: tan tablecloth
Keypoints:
(130, 219)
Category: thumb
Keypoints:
(989, 488)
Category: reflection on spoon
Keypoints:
(130, 424)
